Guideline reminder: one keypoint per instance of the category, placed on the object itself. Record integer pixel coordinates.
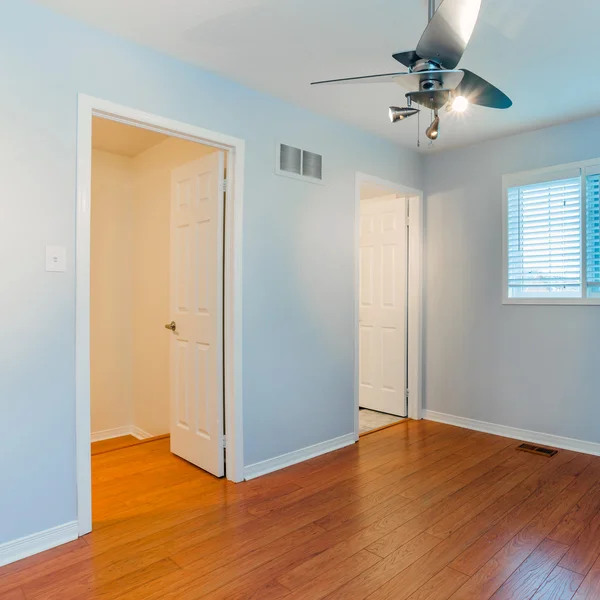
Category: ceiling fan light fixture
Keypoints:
(398, 113)
(460, 104)
(433, 131)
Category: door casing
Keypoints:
(415, 291)
(89, 107)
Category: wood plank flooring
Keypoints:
(419, 511)
(123, 441)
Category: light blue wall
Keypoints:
(298, 250)
(533, 367)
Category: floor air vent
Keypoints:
(541, 450)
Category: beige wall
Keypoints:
(111, 291)
(142, 376)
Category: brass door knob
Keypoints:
(172, 326)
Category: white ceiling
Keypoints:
(373, 190)
(124, 140)
(540, 52)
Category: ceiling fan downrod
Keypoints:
(431, 9)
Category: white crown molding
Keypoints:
(37, 542)
(291, 458)
(525, 435)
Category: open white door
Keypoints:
(197, 211)
(383, 305)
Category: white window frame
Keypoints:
(538, 175)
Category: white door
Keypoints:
(197, 210)
(383, 305)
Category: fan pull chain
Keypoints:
(419, 129)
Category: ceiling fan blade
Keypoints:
(478, 91)
(384, 78)
(447, 79)
(408, 58)
(449, 31)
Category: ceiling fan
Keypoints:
(432, 78)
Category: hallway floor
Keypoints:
(419, 511)
(372, 419)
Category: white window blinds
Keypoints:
(592, 229)
(545, 239)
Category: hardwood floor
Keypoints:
(419, 511)
(123, 441)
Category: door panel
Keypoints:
(366, 352)
(197, 214)
(383, 305)
(366, 275)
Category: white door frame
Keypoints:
(87, 108)
(415, 291)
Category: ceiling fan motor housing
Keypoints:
(431, 74)
(423, 64)
(430, 85)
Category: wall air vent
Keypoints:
(299, 164)
(534, 449)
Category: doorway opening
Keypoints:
(131, 279)
(158, 334)
(388, 304)
(156, 255)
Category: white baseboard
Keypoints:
(291, 458)
(140, 434)
(108, 434)
(37, 542)
(524, 435)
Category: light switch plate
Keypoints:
(56, 259)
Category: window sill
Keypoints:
(553, 301)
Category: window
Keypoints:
(552, 235)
